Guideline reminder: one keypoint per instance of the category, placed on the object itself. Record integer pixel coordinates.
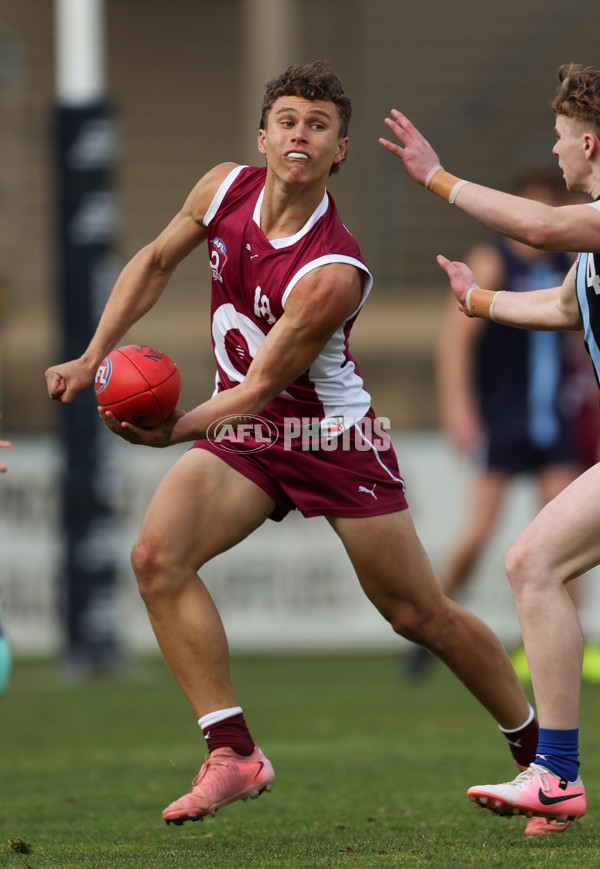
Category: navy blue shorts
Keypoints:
(519, 454)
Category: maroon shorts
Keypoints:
(355, 474)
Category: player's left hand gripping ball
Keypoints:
(138, 384)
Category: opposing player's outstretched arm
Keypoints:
(563, 228)
(139, 286)
(553, 309)
(317, 306)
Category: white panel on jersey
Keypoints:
(220, 194)
(339, 387)
(330, 259)
(286, 242)
(226, 318)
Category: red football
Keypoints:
(138, 384)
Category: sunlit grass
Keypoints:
(371, 771)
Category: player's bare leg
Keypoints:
(550, 480)
(560, 544)
(201, 508)
(396, 575)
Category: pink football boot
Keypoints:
(223, 778)
(536, 791)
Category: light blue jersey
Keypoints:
(588, 298)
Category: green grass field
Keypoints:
(371, 771)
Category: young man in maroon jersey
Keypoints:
(288, 281)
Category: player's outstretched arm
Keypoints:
(547, 227)
(139, 286)
(552, 309)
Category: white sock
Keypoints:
(220, 715)
(525, 723)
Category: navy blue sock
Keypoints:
(558, 751)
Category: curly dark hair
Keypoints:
(314, 81)
(578, 95)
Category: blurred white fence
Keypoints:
(289, 586)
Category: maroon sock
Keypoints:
(232, 733)
(523, 743)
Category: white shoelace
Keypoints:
(533, 771)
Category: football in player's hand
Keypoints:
(139, 384)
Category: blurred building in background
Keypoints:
(185, 80)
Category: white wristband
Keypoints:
(480, 303)
(492, 305)
(455, 189)
(431, 173)
(468, 299)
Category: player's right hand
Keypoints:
(65, 381)
(461, 279)
(414, 150)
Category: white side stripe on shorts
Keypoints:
(376, 451)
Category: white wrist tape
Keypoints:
(468, 300)
(492, 306)
(431, 173)
(480, 303)
(455, 189)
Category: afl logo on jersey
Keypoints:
(218, 258)
(103, 375)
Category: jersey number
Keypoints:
(262, 307)
(592, 278)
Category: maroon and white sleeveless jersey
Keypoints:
(252, 278)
